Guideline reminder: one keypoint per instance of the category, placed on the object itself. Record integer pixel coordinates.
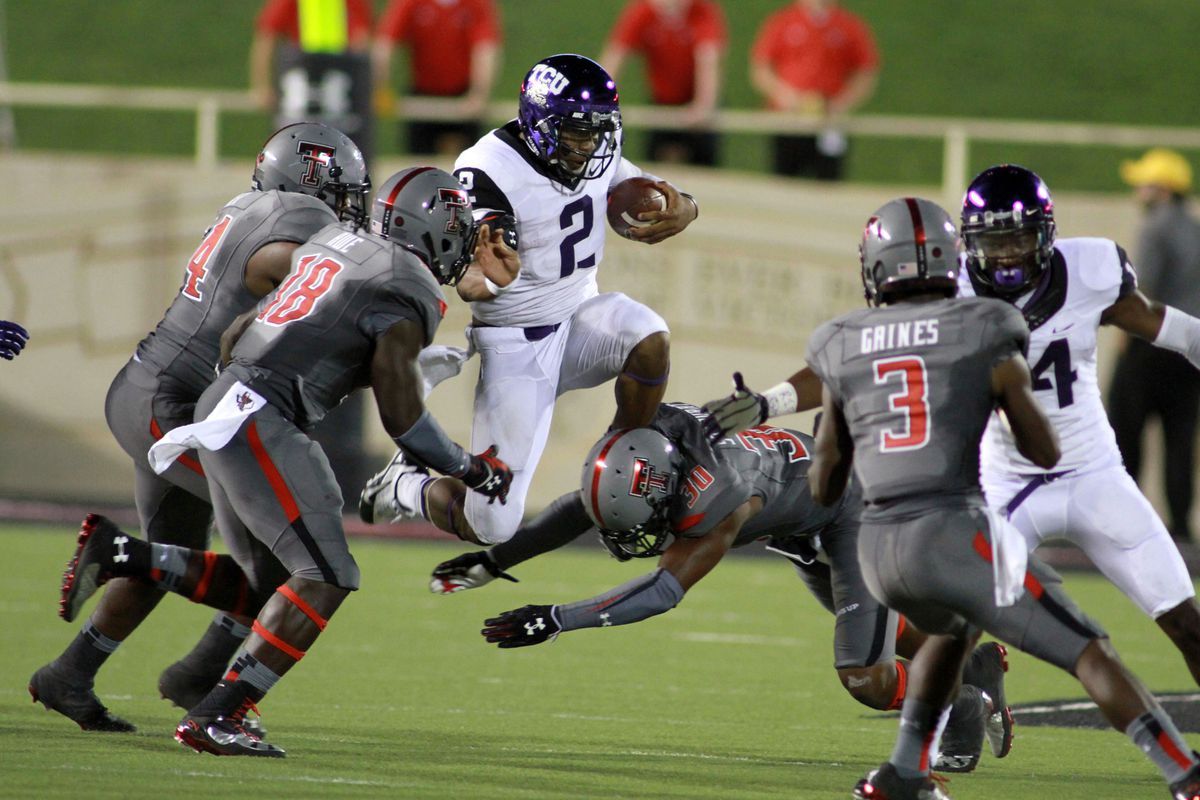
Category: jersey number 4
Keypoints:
(912, 401)
(197, 268)
(1058, 358)
(297, 296)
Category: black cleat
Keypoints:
(885, 784)
(224, 735)
(986, 670)
(962, 741)
(1188, 787)
(186, 687)
(69, 692)
(86, 571)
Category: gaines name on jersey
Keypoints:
(893, 335)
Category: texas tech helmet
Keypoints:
(573, 93)
(312, 158)
(909, 246)
(427, 212)
(629, 480)
(1008, 230)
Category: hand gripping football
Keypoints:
(631, 197)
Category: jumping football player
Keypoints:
(908, 387)
(355, 310)
(544, 178)
(307, 176)
(645, 485)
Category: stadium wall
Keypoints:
(92, 250)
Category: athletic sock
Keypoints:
(920, 728)
(217, 646)
(1156, 735)
(88, 651)
(249, 669)
(168, 565)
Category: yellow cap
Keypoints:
(1159, 167)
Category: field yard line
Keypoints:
(739, 638)
(672, 754)
(1086, 705)
(191, 773)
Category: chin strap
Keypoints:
(1180, 332)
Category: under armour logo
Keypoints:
(606, 620)
(531, 628)
(121, 555)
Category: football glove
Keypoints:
(12, 340)
(740, 410)
(468, 571)
(489, 476)
(522, 627)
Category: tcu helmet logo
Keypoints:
(317, 157)
(453, 198)
(646, 478)
(545, 80)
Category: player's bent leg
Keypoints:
(1182, 625)
(642, 383)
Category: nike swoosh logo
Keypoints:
(1064, 328)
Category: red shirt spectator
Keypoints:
(815, 52)
(282, 18)
(440, 34)
(668, 41)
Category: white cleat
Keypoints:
(380, 499)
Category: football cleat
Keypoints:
(962, 741)
(986, 670)
(1188, 787)
(185, 687)
(224, 735)
(885, 784)
(379, 501)
(69, 692)
(86, 570)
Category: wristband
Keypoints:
(497, 290)
(781, 399)
(1180, 332)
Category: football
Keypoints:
(631, 197)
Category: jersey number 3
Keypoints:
(912, 400)
(297, 296)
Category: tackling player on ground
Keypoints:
(908, 388)
(307, 176)
(356, 310)
(544, 178)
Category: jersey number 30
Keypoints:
(912, 401)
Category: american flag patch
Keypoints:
(906, 269)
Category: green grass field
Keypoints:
(731, 695)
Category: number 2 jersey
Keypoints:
(183, 350)
(914, 382)
(767, 462)
(312, 341)
(561, 227)
(1087, 275)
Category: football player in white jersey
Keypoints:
(1066, 289)
(545, 177)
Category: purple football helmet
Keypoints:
(570, 116)
(1007, 229)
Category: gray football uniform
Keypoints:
(772, 464)
(309, 346)
(914, 383)
(157, 390)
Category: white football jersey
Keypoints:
(1087, 276)
(560, 228)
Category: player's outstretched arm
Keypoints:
(684, 563)
(561, 522)
(1035, 436)
(682, 210)
(396, 382)
(745, 408)
(12, 340)
(1164, 326)
(834, 455)
(495, 266)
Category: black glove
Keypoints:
(12, 340)
(468, 571)
(522, 627)
(489, 476)
(740, 410)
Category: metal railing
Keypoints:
(956, 133)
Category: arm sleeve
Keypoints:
(633, 601)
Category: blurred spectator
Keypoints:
(1150, 381)
(681, 42)
(454, 51)
(814, 58)
(12, 339)
(309, 62)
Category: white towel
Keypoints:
(1010, 558)
(440, 362)
(211, 433)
